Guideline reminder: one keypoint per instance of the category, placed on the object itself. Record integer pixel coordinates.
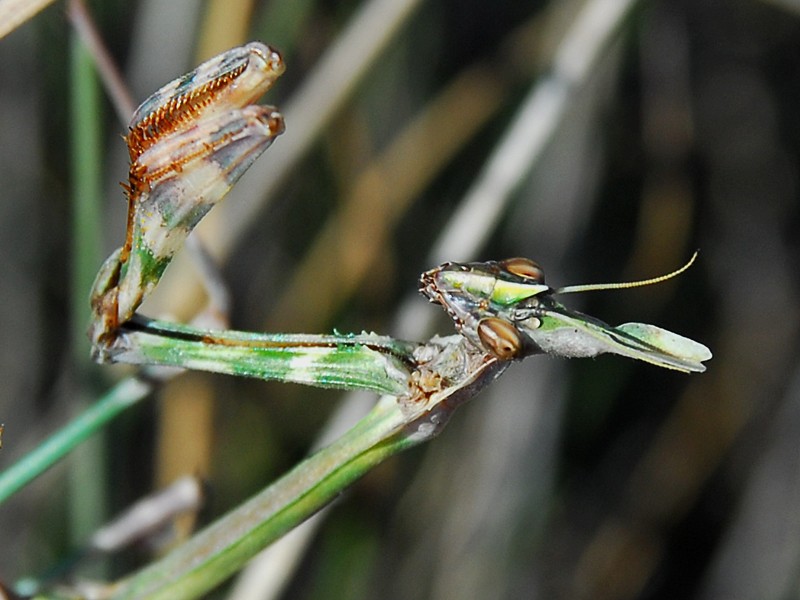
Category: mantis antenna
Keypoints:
(593, 287)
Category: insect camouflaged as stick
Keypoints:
(190, 141)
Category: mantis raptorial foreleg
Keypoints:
(188, 143)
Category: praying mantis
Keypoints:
(190, 142)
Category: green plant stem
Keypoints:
(223, 548)
(87, 161)
(87, 505)
(123, 395)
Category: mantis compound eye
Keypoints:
(500, 338)
(525, 268)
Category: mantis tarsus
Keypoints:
(188, 143)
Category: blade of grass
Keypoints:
(87, 481)
(123, 395)
(223, 548)
(14, 13)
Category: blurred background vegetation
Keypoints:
(597, 479)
